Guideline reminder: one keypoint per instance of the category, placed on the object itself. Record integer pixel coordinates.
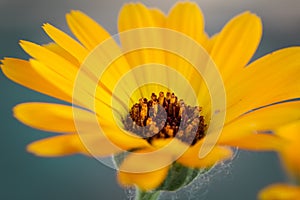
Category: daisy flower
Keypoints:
(151, 96)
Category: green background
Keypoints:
(24, 176)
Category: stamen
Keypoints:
(165, 117)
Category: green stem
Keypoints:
(143, 195)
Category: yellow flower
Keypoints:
(280, 192)
(53, 70)
(291, 161)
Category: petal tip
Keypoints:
(21, 42)
(25, 43)
(46, 25)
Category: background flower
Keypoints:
(24, 176)
(290, 159)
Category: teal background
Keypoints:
(24, 176)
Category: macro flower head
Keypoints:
(152, 92)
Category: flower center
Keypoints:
(164, 116)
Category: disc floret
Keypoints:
(164, 116)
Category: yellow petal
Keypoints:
(60, 118)
(280, 192)
(103, 68)
(87, 31)
(68, 144)
(91, 34)
(53, 77)
(145, 181)
(257, 142)
(23, 73)
(55, 62)
(55, 48)
(159, 17)
(290, 154)
(62, 145)
(50, 117)
(67, 85)
(145, 160)
(66, 42)
(290, 158)
(133, 16)
(267, 80)
(142, 170)
(290, 132)
(191, 157)
(187, 18)
(173, 146)
(264, 119)
(123, 139)
(137, 15)
(236, 44)
(210, 42)
(99, 145)
(108, 132)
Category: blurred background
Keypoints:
(24, 176)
